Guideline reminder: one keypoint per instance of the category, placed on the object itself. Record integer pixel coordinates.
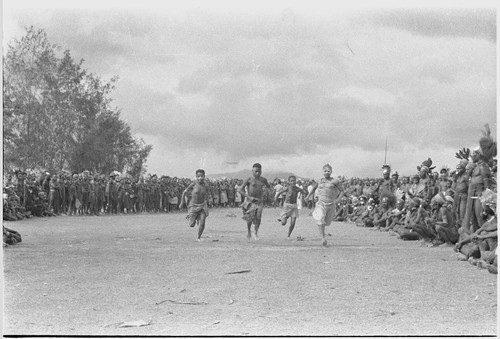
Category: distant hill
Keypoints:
(243, 174)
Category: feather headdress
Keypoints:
(426, 165)
(463, 153)
(488, 146)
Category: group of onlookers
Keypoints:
(455, 208)
(446, 208)
(43, 194)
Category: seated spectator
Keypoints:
(366, 218)
(343, 209)
(445, 223)
(396, 216)
(358, 210)
(424, 224)
(381, 214)
(417, 189)
(482, 243)
(405, 231)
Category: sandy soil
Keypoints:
(87, 275)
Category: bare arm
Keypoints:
(190, 187)
(408, 219)
(483, 230)
(241, 190)
(279, 192)
(379, 217)
(312, 191)
(486, 235)
(486, 173)
(421, 215)
(269, 188)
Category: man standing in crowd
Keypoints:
(460, 187)
(479, 173)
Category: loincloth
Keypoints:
(289, 210)
(252, 211)
(195, 211)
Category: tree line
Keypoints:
(59, 116)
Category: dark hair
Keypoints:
(292, 176)
(257, 165)
(200, 171)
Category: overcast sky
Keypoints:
(292, 86)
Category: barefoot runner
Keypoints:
(197, 205)
(329, 191)
(290, 208)
(254, 199)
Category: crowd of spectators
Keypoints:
(41, 194)
(455, 208)
(452, 207)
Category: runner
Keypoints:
(329, 191)
(254, 199)
(197, 205)
(290, 207)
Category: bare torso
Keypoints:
(256, 187)
(292, 193)
(199, 193)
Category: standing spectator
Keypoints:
(237, 194)
(112, 190)
(479, 173)
(310, 197)
(231, 192)
(460, 187)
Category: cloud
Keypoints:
(248, 111)
(289, 84)
(449, 22)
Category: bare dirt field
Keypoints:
(89, 275)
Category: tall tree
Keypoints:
(57, 115)
(27, 64)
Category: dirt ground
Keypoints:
(89, 275)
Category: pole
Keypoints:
(385, 156)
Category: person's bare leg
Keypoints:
(469, 252)
(443, 234)
(249, 227)
(292, 226)
(258, 219)
(257, 225)
(322, 234)
(475, 216)
(201, 227)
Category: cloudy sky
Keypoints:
(292, 85)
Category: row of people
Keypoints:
(475, 177)
(28, 195)
(433, 223)
(462, 213)
(93, 194)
